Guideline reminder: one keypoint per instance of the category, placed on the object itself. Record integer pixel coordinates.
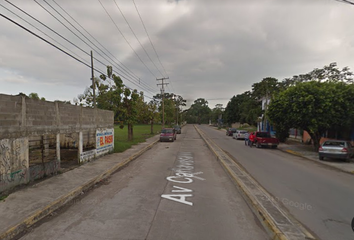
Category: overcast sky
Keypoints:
(211, 49)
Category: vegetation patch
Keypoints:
(3, 197)
(140, 133)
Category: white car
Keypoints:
(239, 134)
(336, 149)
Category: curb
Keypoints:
(295, 153)
(42, 213)
(267, 220)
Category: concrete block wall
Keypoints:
(11, 120)
(22, 116)
(23, 119)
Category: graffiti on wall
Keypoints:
(48, 169)
(13, 162)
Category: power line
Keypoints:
(41, 31)
(81, 60)
(346, 1)
(127, 69)
(46, 26)
(142, 22)
(86, 44)
(126, 39)
(117, 65)
(131, 29)
(149, 38)
(122, 69)
(53, 45)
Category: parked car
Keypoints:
(239, 134)
(265, 139)
(230, 131)
(178, 129)
(168, 134)
(336, 149)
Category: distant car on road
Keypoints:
(230, 131)
(168, 134)
(336, 149)
(239, 134)
(178, 129)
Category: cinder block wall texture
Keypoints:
(23, 119)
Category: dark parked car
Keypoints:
(178, 129)
(230, 131)
(168, 134)
(336, 149)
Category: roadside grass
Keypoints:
(3, 197)
(140, 132)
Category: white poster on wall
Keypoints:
(104, 141)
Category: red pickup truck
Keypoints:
(264, 139)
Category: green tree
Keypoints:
(199, 112)
(312, 106)
(243, 108)
(216, 112)
(35, 96)
(266, 88)
(179, 102)
(153, 114)
(172, 105)
(114, 96)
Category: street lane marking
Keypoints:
(181, 189)
(183, 173)
(178, 198)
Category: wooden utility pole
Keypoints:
(93, 82)
(163, 98)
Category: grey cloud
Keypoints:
(210, 49)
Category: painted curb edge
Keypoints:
(263, 216)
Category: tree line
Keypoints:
(317, 102)
(129, 105)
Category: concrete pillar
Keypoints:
(23, 116)
(80, 147)
(58, 147)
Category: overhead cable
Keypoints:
(95, 39)
(53, 45)
(142, 22)
(131, 29)
(123, 75)
(126, 40)
(87, 37)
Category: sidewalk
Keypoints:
(21, 209)
(306, 151)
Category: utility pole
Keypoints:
(163, 98)
(93, 82)
(177, 106)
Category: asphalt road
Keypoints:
(173, 191)
(320, 197)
